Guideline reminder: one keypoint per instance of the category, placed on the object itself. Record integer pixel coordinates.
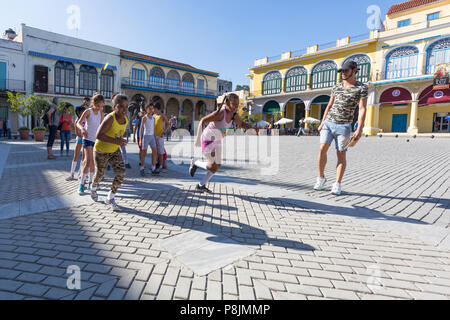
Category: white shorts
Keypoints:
(148, 141)
(160, 145)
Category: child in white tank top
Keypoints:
(92, 118)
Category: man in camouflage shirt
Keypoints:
(337, 122)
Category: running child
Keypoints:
(88, 124)
(211, 138)
(109, 139)
(78, 146)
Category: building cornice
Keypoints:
(60, 58)
(170, 66)
(316, 54)
(410, 33)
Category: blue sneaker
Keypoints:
(81, 190)
(142, 172)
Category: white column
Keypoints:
(413, 129)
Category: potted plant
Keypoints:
(39, 134)
(24, 133)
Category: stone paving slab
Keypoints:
(204, 253)
(298, 252)
(395, 177)
(302, 247)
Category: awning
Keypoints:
(430, 96)
(271, 106)
(324, 99)
(395, 96)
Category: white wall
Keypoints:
(60, 45)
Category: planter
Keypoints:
(39, 135)
(24, 134)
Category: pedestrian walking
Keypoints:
(92, 118)
(53, 123)
(65, 121)
(147, 131)
(1, 128)
(161, 127)
(173, 126)
(337, 122)
(78, 146)
(211, 138)
(109, 138)
(301, 129)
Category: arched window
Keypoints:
(324, 75)
(363, 62)
(296, 79)
(138, 77)
(402, 62)
(157, 78)
(188, 83)
(64, 78)
(201, 85)
(437, 53)
(173, 80)
(272, 83)
(87, 81)
(107, 83)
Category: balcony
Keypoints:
(52, 89)
(168, 85)
(12, 85)
(318, 48)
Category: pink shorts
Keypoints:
(210, 146)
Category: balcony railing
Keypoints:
(12, 85)
(168, 85)
(51, 88)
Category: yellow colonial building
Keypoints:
(397, 63)
(415, 39)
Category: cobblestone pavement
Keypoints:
(297, 252)
(390, 175)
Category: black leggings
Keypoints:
(51, 136)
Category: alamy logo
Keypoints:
(374, 20)
(74, 280)
(74, 20)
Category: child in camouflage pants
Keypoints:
(116, 161)
(107, 149)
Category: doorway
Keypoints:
(399, 122)
(440, 124)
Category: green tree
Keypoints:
(182, 120)
(276, 115)
(256, 117)
(32, 105)
(242, 87)
(62, 104)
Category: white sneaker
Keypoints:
(112, 203)
(320, 184)
(336, 190)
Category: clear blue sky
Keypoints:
(221, 36)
